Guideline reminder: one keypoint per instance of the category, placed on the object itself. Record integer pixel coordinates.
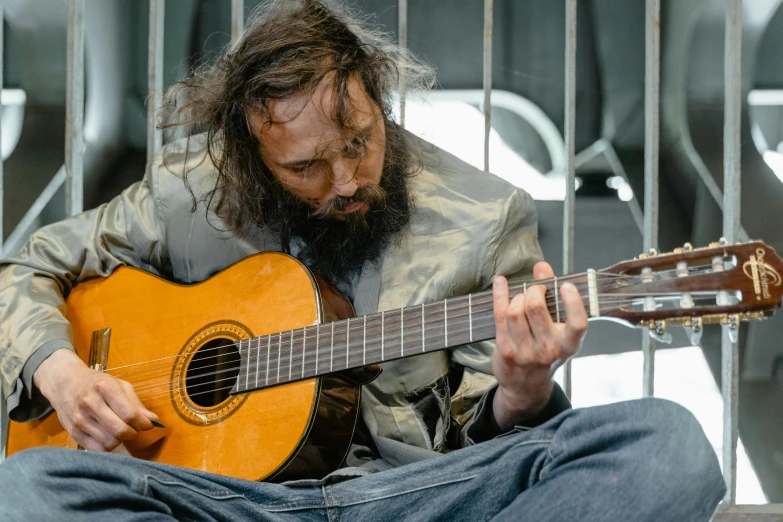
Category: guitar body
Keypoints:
(297, 430)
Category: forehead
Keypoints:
(306, 123)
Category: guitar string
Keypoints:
(347, 329)
(157, 392)
(484, 300)
(454, 317)
(250, 360)
(478, 297)
(513, 289)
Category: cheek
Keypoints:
(313, 196)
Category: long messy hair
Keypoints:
(288, 48)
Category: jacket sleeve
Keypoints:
(512, 251)
(35, 281)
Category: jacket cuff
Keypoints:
(27, 402)
(483, 425)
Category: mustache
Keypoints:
(372, 195)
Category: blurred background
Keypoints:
(526, 148)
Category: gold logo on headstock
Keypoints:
(763, 274)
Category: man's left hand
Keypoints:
(530, 346)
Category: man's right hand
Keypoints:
(98, 410)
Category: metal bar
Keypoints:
(2, 180)
(402, 33)
(237, 19)
(731, 231)
(3, 412)
(652, 71)
(74, 111)
(17, 237)
(154, 75)
(746, 513)
(488, 19)
(569, 131)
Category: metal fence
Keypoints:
(71, 174)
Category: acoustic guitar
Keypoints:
(256, 373)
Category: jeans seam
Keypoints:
(214, 496)
(550, 457)
(352, 501)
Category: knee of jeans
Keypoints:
(682, 449)
(28, 463)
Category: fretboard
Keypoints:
(326, 348)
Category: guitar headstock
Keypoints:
(720, 283)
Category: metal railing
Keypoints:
(71, 174)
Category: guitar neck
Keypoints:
(371, 339)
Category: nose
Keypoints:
(344, 182)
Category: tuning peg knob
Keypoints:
(695, 330)
(687, 247)
(652, 252)
(658, 332)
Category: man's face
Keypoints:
(311, 159)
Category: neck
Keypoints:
(350, 343)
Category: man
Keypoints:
(297, 153)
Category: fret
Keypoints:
(257, 340)
(247, 373)
(470, 316)
(331, 350)
(382, 328)
(317, 345)
(445, 322)
(268, 352)
(279, 349)
(347, 337)
(422, 327)
(304, 348)
(291, 356)
(341, 337)
(557, 301)
(402, 332)
(364, 341)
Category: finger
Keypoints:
(85, 441)
(113, 424)
(543, 270)
(576, 317)
(127, 410)
(537, 313)
(518, 328)
(131, 393)
(93, 429)
(500, 308)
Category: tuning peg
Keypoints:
(659, 333)
(733, 327)
(695, 330)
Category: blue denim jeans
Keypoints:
(639, 460)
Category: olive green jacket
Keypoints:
(467, 227)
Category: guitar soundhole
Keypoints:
(212, 372)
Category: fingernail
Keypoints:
(568, 287)
(157, 424)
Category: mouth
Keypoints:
(351, 208)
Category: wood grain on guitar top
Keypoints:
(152, 320)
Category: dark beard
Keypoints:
(337, 250)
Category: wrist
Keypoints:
(512, 407)
(61, 361)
